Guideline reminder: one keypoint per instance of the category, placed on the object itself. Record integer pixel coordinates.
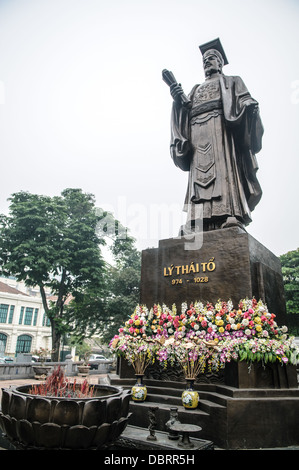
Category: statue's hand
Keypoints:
(176, 91)
(256, 110)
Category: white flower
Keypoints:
(188, 345)
(169, 341)
(184, 307)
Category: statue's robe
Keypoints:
(216, 140)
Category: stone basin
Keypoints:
(43, 422)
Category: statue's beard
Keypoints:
(210, 71)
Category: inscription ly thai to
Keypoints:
(197, 270)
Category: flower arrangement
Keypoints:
(205, 336)
(42, 354)
(138, 351)
(136, 325)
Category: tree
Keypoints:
(53, 243)
(290, 273)
(124, 284)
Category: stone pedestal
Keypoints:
(221, 264)
(237, 409)
(260, 376)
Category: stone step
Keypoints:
(204, 405)
(219, 391)
(213, 397)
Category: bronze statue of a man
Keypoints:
(215, 133)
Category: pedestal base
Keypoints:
(221, 264)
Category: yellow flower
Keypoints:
(258, 328)
(257, 320)
(221, 329)
(137, 322)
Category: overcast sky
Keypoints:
(83, 104)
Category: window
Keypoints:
(23, 344)
(35, 317)
(28, 316)
(3, 313)
(21, 315)
(46, 321)
(11, 312)
(3, 339)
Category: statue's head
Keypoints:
(214, 57)
(212, 62)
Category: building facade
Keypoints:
(24, 326)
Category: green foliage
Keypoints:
(55, 243)
(52, 243)
(290, 272)
(123, 281)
